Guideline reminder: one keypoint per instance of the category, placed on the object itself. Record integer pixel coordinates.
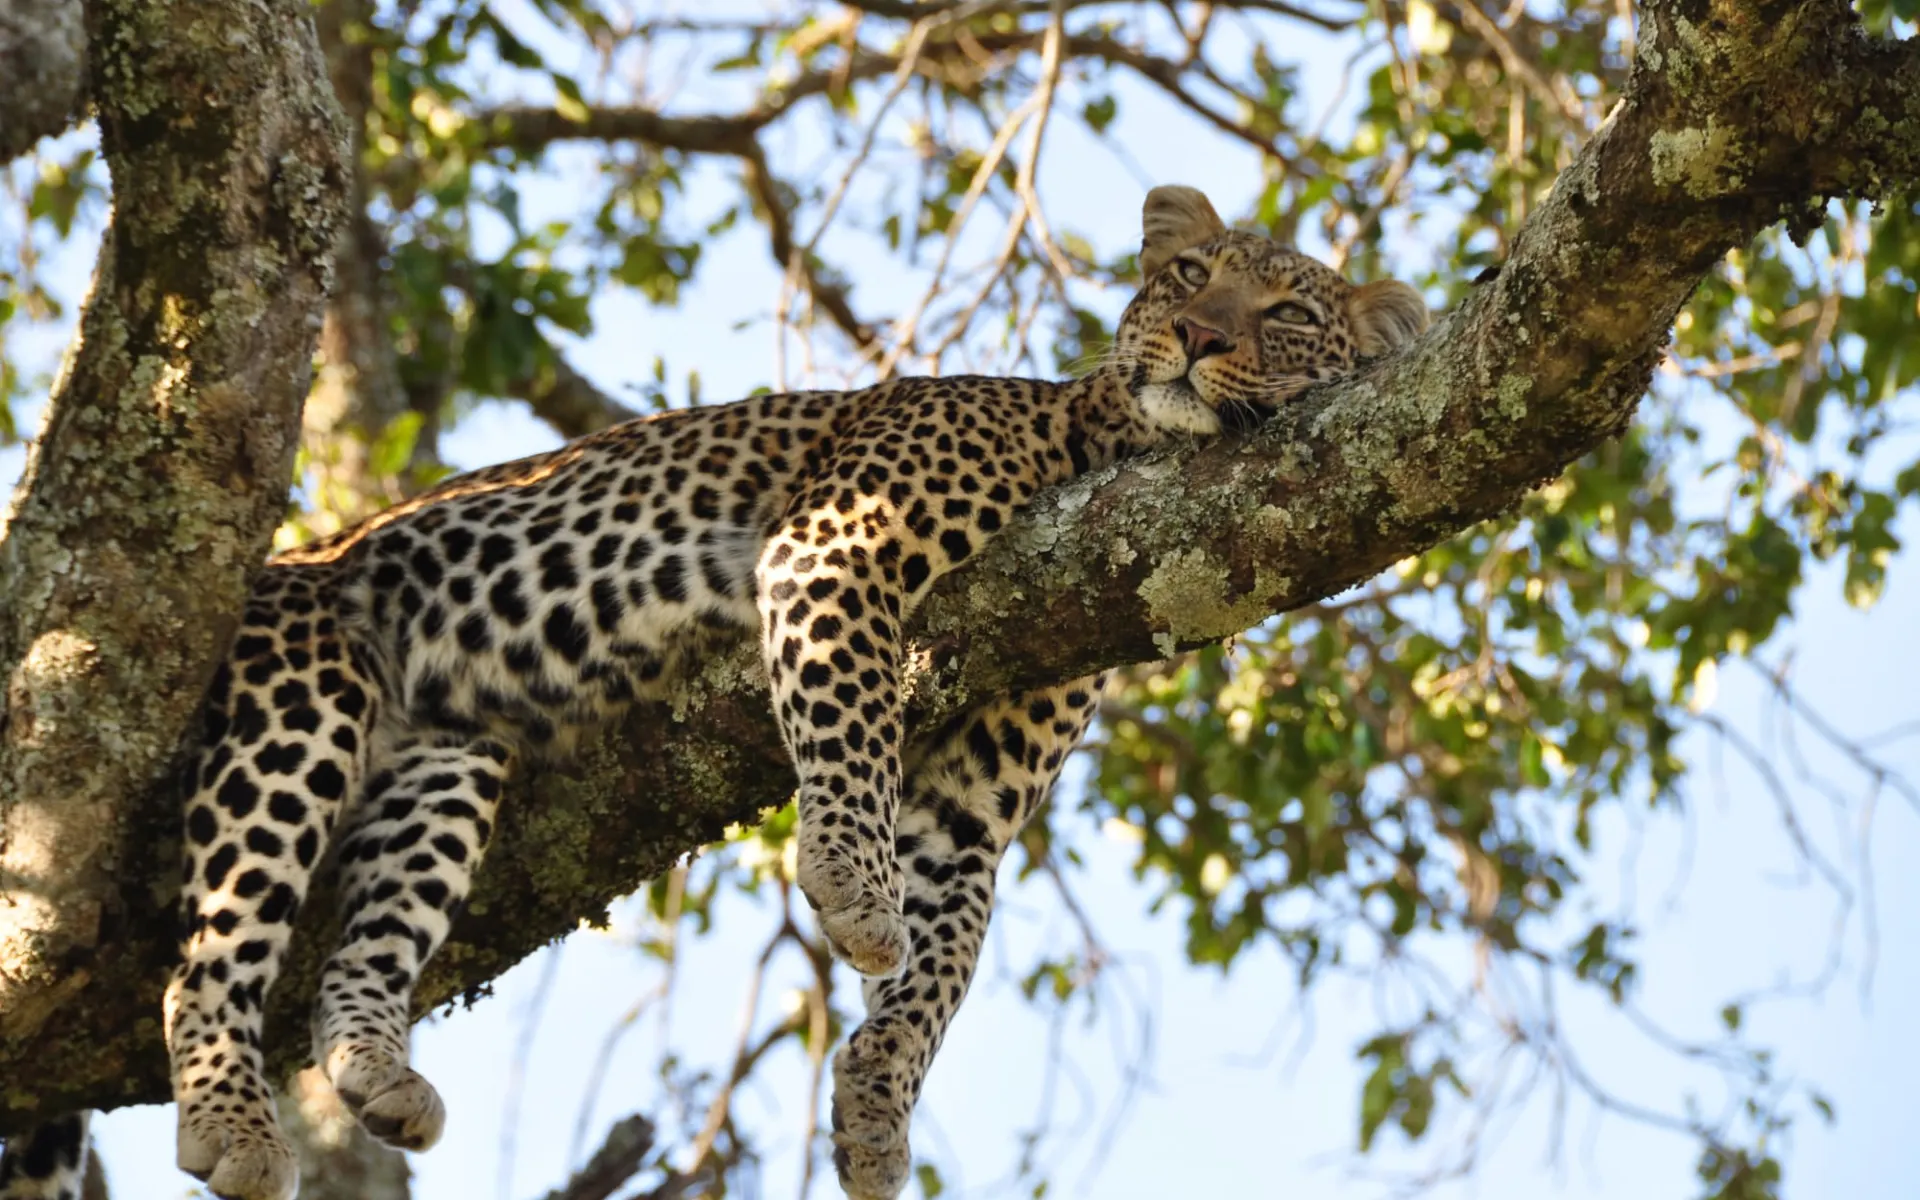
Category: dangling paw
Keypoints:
(239, 1158)
(862, 925)
(869, 1175)
(392, 1102)
(872, 1105)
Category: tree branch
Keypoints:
(338, 1159)
(529, 129)
(907, 10)
(567, 400)
(829, 297)
(618, 1159)
(358, 392)
(1719, 136)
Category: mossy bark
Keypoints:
(1537, 367)
(148, 501)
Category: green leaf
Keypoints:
(746, 59)
(393, 448)
(568, 102)
(1099, 113)
(1533, 763)
(1376, 1103)
(1821, 1105)
(1416, 1107)
(57, 195)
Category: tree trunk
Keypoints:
(147, 503)
(1739, 113)
(358, 394)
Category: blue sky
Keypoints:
(1245, 1088)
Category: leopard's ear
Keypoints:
(1387, 314)
(1173, 219)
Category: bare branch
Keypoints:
(617, 1160)
(528, 129)
(565, 399)
(907, 10)
(773, 210)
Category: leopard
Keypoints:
(387, 682)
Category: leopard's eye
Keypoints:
(1191, 273)
(1288, 313)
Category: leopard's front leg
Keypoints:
(830, 610)
(967, 796)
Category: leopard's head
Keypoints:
(1229, 325)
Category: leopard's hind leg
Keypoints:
(406, 862)
(966, 798)
(286, 736)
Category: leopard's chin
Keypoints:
(1176, 406)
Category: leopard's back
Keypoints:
(533, 600)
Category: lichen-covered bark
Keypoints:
(43, 55)
(149, 499)
(1739, 114)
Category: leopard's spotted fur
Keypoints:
(49, 1163)
(387, 681)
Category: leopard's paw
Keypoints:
(238, 1161)
(392, 1102)
(862, 925)
(872, 1090)
(869, 1174)
(871, 1111)
(868, 935)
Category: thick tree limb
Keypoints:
(148, 502)
(358, 392)
(361, 366)
(1738, 114)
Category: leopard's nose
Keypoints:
(1200, 340)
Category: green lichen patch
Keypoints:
(1701, 162)
(1190, 597)
(1511, 398)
